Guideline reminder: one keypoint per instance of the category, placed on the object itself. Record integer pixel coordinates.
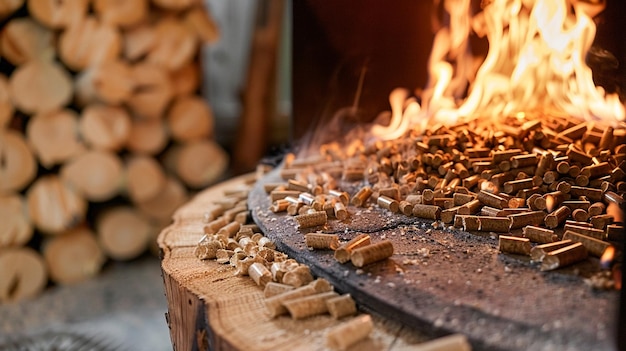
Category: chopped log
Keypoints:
(89, 42)
(54, 206)
(175, 45)
(73, 256)
(190, 118)
(144, 178)
(147, 136)
(186, 80)
(198, 163)
(138, 41)
(121, 13)
(54, 136)
(15, 226)
(152, 93)
(205, 299)
(6, 106)
(123, 232)
(108, 82)
(96, 174)
(58, 14)
(200, 22)
(24, 39)
(104, 127)
(259, 99)
(17, 163)
(40, 86)
(8, 7)
(162, 206)
(22, 274)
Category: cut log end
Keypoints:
(22, 274)
(73, 256)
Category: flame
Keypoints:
(535, 62)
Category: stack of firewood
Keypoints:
(103, 132)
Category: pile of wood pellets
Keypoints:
(289, 288)
(550, 186)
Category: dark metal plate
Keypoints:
(448, 281)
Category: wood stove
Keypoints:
(348, 56)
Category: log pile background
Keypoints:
(103, 132)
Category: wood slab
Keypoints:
(450, 281)
(211, 308)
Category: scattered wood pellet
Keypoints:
(341, 306)
(343, 252)
(307, 306)
(538, 252)
(274, 288)
(322, 241)
(564, 256)
(365, 255)
(514, 245)
(350, 332)
(313, 219)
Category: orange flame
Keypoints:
(535, 62)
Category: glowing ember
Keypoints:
(535, 64)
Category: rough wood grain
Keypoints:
(73, 256)
(40, 85)
(17, 163)
(22, 274)
(53, 136)
(123, 232)
(211, 308)
(53, 206)
(15, 226)
(144, 178)
(24, 39)
(96, 174)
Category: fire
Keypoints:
(535, 63)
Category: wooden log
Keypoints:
(54, 206)
(96, 174)
(138, 41)
(23, 39)
(39, 86)
(73, 256)
(121, 13)
(203, 311)
(8, 7)
(152, 93)
(144, 178)
(53, 136)
(259, 99)
(202, 25)
(175, 44)
(162, 206)
(123, 232)
(190, 118)
(197, 163)
(108, 82)
(104, 127)
(58, 14)
(89, 42)
(17, 163)
(147, 136)
(22, 274)
(6, 106)
(186, 80)
(15, 226)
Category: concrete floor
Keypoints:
(121, 309)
